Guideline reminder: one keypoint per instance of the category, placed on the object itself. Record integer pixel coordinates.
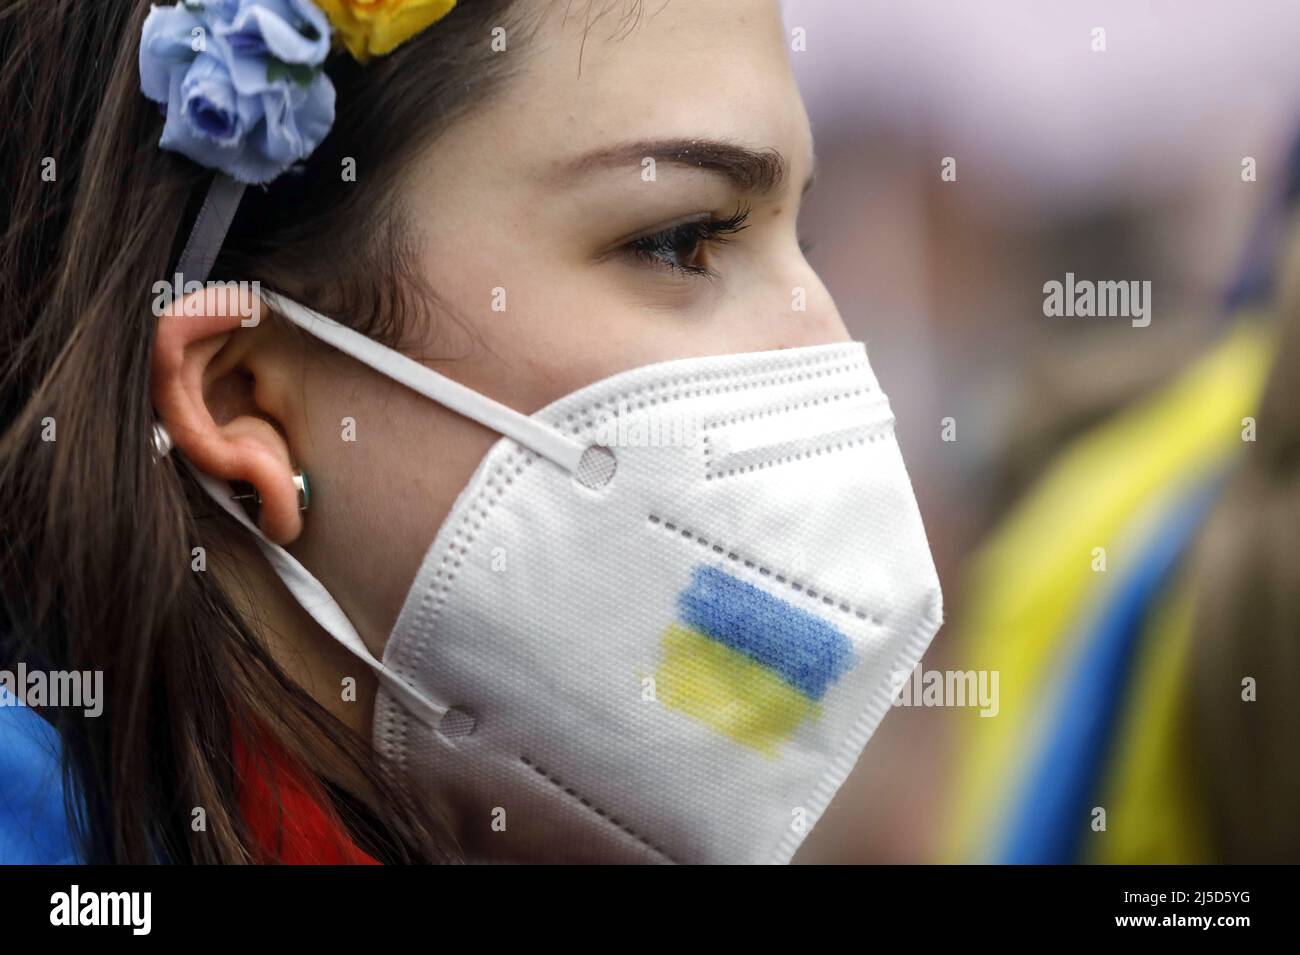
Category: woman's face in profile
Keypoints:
(519, 258)
(631, 195)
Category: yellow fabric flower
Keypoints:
(377, 27)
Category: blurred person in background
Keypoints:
(1142, 606)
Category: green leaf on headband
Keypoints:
(299, 73)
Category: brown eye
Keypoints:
(681, 247)
(684, 248)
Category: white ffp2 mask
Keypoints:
(660, 622)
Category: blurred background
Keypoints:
(1114, 155)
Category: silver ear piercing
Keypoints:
(300, 484)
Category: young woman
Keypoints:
(579, 605)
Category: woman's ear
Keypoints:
(220, 386)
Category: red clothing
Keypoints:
(285, 811)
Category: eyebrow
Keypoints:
(755, 171)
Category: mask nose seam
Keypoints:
(695, 386)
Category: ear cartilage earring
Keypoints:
(300, 484)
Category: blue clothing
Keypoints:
(34, 826)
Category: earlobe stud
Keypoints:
(303, 488)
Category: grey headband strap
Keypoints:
(210, 228)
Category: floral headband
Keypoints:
(243, 86)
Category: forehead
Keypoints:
(599, 71)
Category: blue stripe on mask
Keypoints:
(803, 649)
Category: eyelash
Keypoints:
(660, 248)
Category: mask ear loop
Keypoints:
(311, 594)
(538, 437)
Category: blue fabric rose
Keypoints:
(241, 81)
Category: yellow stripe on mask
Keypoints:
(728, 691)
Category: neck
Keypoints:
(340, 683)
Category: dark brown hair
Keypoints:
(95, 563)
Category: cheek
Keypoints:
(597, 321)
(561, 331)
(777, 300)
(386, 466)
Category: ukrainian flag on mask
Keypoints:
(746, 663)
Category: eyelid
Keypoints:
(661, 228)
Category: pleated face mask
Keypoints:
(660, 622)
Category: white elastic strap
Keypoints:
(532, 434)
(316, 600)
